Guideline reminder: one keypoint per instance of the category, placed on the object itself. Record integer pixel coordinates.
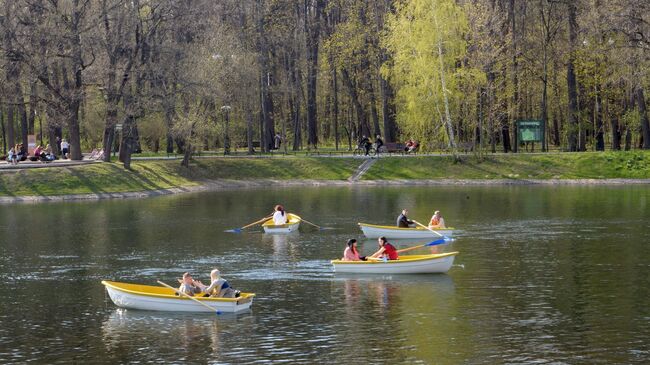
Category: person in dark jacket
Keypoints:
(403, 221)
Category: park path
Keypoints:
(365, 166)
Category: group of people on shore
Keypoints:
(19, 153)
(218, 288)
(386, 250)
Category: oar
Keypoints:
(317, 226)
(439, 234)
(434, 243)
(238, 230)
(189, 296)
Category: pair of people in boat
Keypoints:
(436, 220)
(218, 288)
(386, 251)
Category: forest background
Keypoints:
(185, 76)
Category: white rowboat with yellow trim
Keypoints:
(392, 232)
(158, 298)
(293, 222)
(408, 264)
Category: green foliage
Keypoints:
(414, 34)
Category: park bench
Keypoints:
(394, 147)
(256, 144)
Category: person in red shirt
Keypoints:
(386, 250)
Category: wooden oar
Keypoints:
(439, 234)
(238, 230)
(189, 296)
(434, 243)
(317, 226)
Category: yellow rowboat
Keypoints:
(158, 298)
(292, 225)
(392, 232)
(408, 264)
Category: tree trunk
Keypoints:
(645, 123)
(600, 129)
(249, 129)
(572, 94)
(312, 25)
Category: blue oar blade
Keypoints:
(436, 242)
(236, 230)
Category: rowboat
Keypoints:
(292, 225)
(158, 298)
(407, 264)
(392, 232)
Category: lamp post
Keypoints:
(226, 139)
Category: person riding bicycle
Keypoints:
(365, 144)
(378, 143)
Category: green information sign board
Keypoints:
(530, 130)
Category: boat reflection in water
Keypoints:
(137, 331)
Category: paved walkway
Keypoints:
(365, 166)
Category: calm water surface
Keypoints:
(545, 275)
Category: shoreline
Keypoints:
(218, 185)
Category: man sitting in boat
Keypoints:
(219, 287)
(386, 250)
(190, 286)
(403, 221)
(351, 253)
(279, 217)
(437, 221)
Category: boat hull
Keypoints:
(391, 232)
(145, 297)
(414, 264)
(291, 226)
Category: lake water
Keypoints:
(545, 275)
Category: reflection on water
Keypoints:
(545, 275)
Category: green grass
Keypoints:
(603, 165)
(157, 174)
(153, 175)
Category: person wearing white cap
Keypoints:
(219, 287)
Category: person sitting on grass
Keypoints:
(386, 250)
(190, 286)
(49, 155)
(219, 287)
(351, 253)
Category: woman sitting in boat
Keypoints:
(190, 286)
(386, 250)
(351, 253)
(219, 287)
(437, 221)
(280, 216)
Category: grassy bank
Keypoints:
(606, 165)
(154, 175)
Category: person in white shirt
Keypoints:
(280, 216)
(65, 148)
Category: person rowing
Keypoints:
(280, 216)
(403, 221)
(190, 286)
(386, 250)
